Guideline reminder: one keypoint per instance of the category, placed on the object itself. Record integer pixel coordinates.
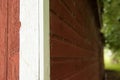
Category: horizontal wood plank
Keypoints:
(60, 48)
(59, 28)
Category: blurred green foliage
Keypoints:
(111, 24)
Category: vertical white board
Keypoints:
(29, 40)
(34, 40)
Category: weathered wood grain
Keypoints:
(9, 39)
(3, 39)
(13, 40)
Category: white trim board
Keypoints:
(34, 40)
(29, 40)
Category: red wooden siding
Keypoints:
(3, 39)
(9, 39)
(75, 41)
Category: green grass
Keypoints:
(111, 66)
(109, 63)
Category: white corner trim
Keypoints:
(41, 38)
(34, 40)
(29, 40)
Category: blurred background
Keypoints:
(111, 31)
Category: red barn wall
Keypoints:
(9, 39)
(75, 40)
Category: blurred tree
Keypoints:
(111, 24)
